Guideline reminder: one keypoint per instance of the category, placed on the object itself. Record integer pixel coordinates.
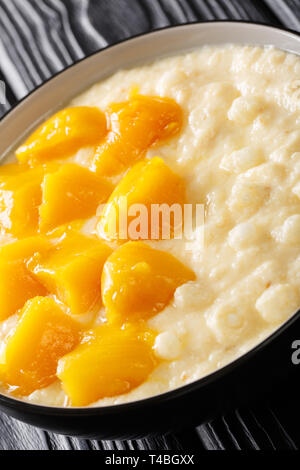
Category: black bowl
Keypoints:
(250, 376)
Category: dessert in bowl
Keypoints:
(94, 315)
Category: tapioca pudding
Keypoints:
(93, 316)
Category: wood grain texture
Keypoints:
(40, 37)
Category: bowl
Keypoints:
(250, 376)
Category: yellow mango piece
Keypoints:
(24, 249)
(17, 284)
(72, 271)
(111, 362)
(139, 281)
(44, 334)
(11, 169)
(20, 197)
(73, 192)
(64, 134)
(135, 126)
(149, 182)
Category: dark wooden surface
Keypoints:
(39, 38)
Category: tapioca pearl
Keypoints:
(267, 174)
(243, 235)
(245, 258)
(252, 287)
(296, 190)
(223, 92)
(247, 197)
(193, 295)
(281, 155)
(203, 124)
(267, 273)
(278, 303)
(227, 322)
(289, 232)
(167, 346)
(169, 80)
(218, 273)
(244, 110)
(241, 160)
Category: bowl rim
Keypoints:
(87, 411)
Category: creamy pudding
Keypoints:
(219, 127)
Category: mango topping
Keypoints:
(135, 126)
(44, 333)
(71, 193)
(139, 281)
(24, 249)
(17, 284)
(72, 270)
(20, 197)
(11, 169)
(150, 182)
(110, 362)
(63, 135)
(52, 272)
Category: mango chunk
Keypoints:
(72, 271)
(150, 182)
(63, 135)
(135, 126)
(17, 284)
(23, 250)
(73, 192)
(19, 201)
(20, 197)
(11, 169)
(44, 334)
(139, 281)
(111, 362)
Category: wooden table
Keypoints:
(40, 37)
